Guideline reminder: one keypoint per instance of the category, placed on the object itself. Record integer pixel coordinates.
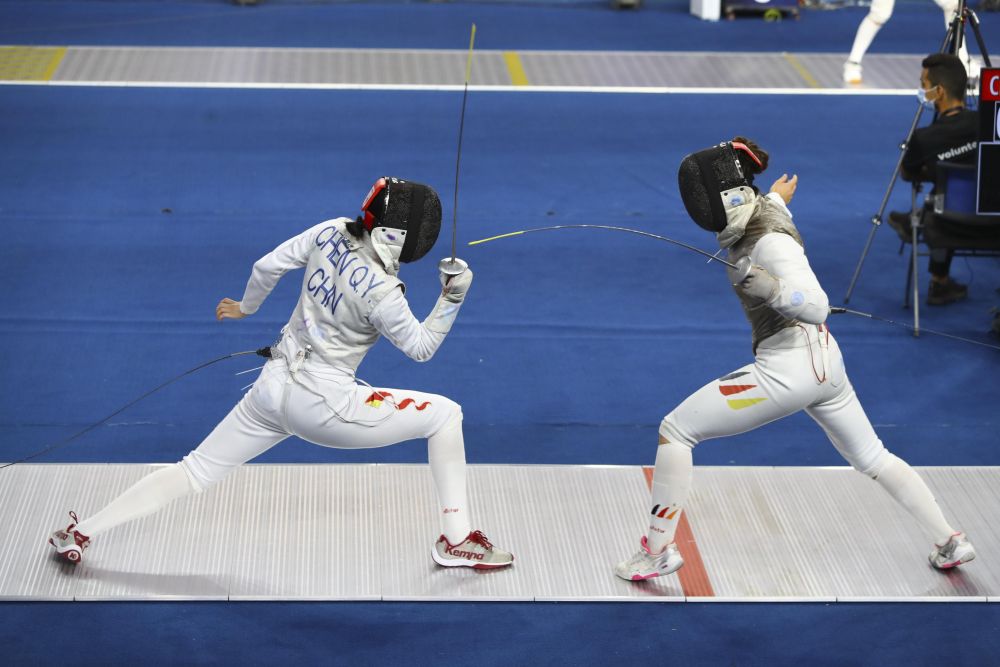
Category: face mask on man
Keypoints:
(922, 97)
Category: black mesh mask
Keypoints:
(703, 178)
(413, 208)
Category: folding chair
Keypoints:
(951, 224)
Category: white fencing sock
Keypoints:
(671, 486)
(151, 493)
(446, 456)
(909, 489)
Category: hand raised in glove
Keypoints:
(454, 288)
(760, 283)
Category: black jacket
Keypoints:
(952, 136)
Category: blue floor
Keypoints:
(127, 214)
(838, 635)
(916, 26)
(103, 203)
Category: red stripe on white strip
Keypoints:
(693, 576)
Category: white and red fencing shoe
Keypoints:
(474, 551)
(647, 565)
(69, 544)
(954, 552)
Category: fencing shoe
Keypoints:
(69, 543)
(647, 565)
(852, 73)
(954, 552)
(474, 551)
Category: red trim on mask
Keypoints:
(743, 147)
(377, 189)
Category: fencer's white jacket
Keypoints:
(347, 300)
(773, 243)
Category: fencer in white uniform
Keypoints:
(797, 364)
(350, 296)
(878, 14)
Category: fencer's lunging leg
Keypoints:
(851, 432)
(150, 494)
(771, 389)
(909, 489)
(239, 437)
(446, 456)
(658, 555)
(671, 487)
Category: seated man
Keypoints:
(953, 135)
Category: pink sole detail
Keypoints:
(639, 577)
(480, 566)
(468, 563)
(954, 564)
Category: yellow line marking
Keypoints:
(57, 58)
(494, 238)
(515, 68)
(29, 63)
(803, 72)
(468, 61)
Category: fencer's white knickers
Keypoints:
(328, 408)
(799, 368)
(331, 410)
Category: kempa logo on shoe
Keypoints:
(470, 555)
(450, 510)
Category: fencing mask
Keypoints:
(403, 219)
(718, 196)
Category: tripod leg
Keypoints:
(909, 279)
(956, 29)
(877, 218)
(916, 276)
(864, 253)
(948, 45)
(974, 22)
(916, 217)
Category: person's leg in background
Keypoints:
(942, 289)
(878, 14)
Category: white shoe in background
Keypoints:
(852, 73)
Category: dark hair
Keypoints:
(356, 228)
(946, 70)
(751, 168)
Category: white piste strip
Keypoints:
(631, 90)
